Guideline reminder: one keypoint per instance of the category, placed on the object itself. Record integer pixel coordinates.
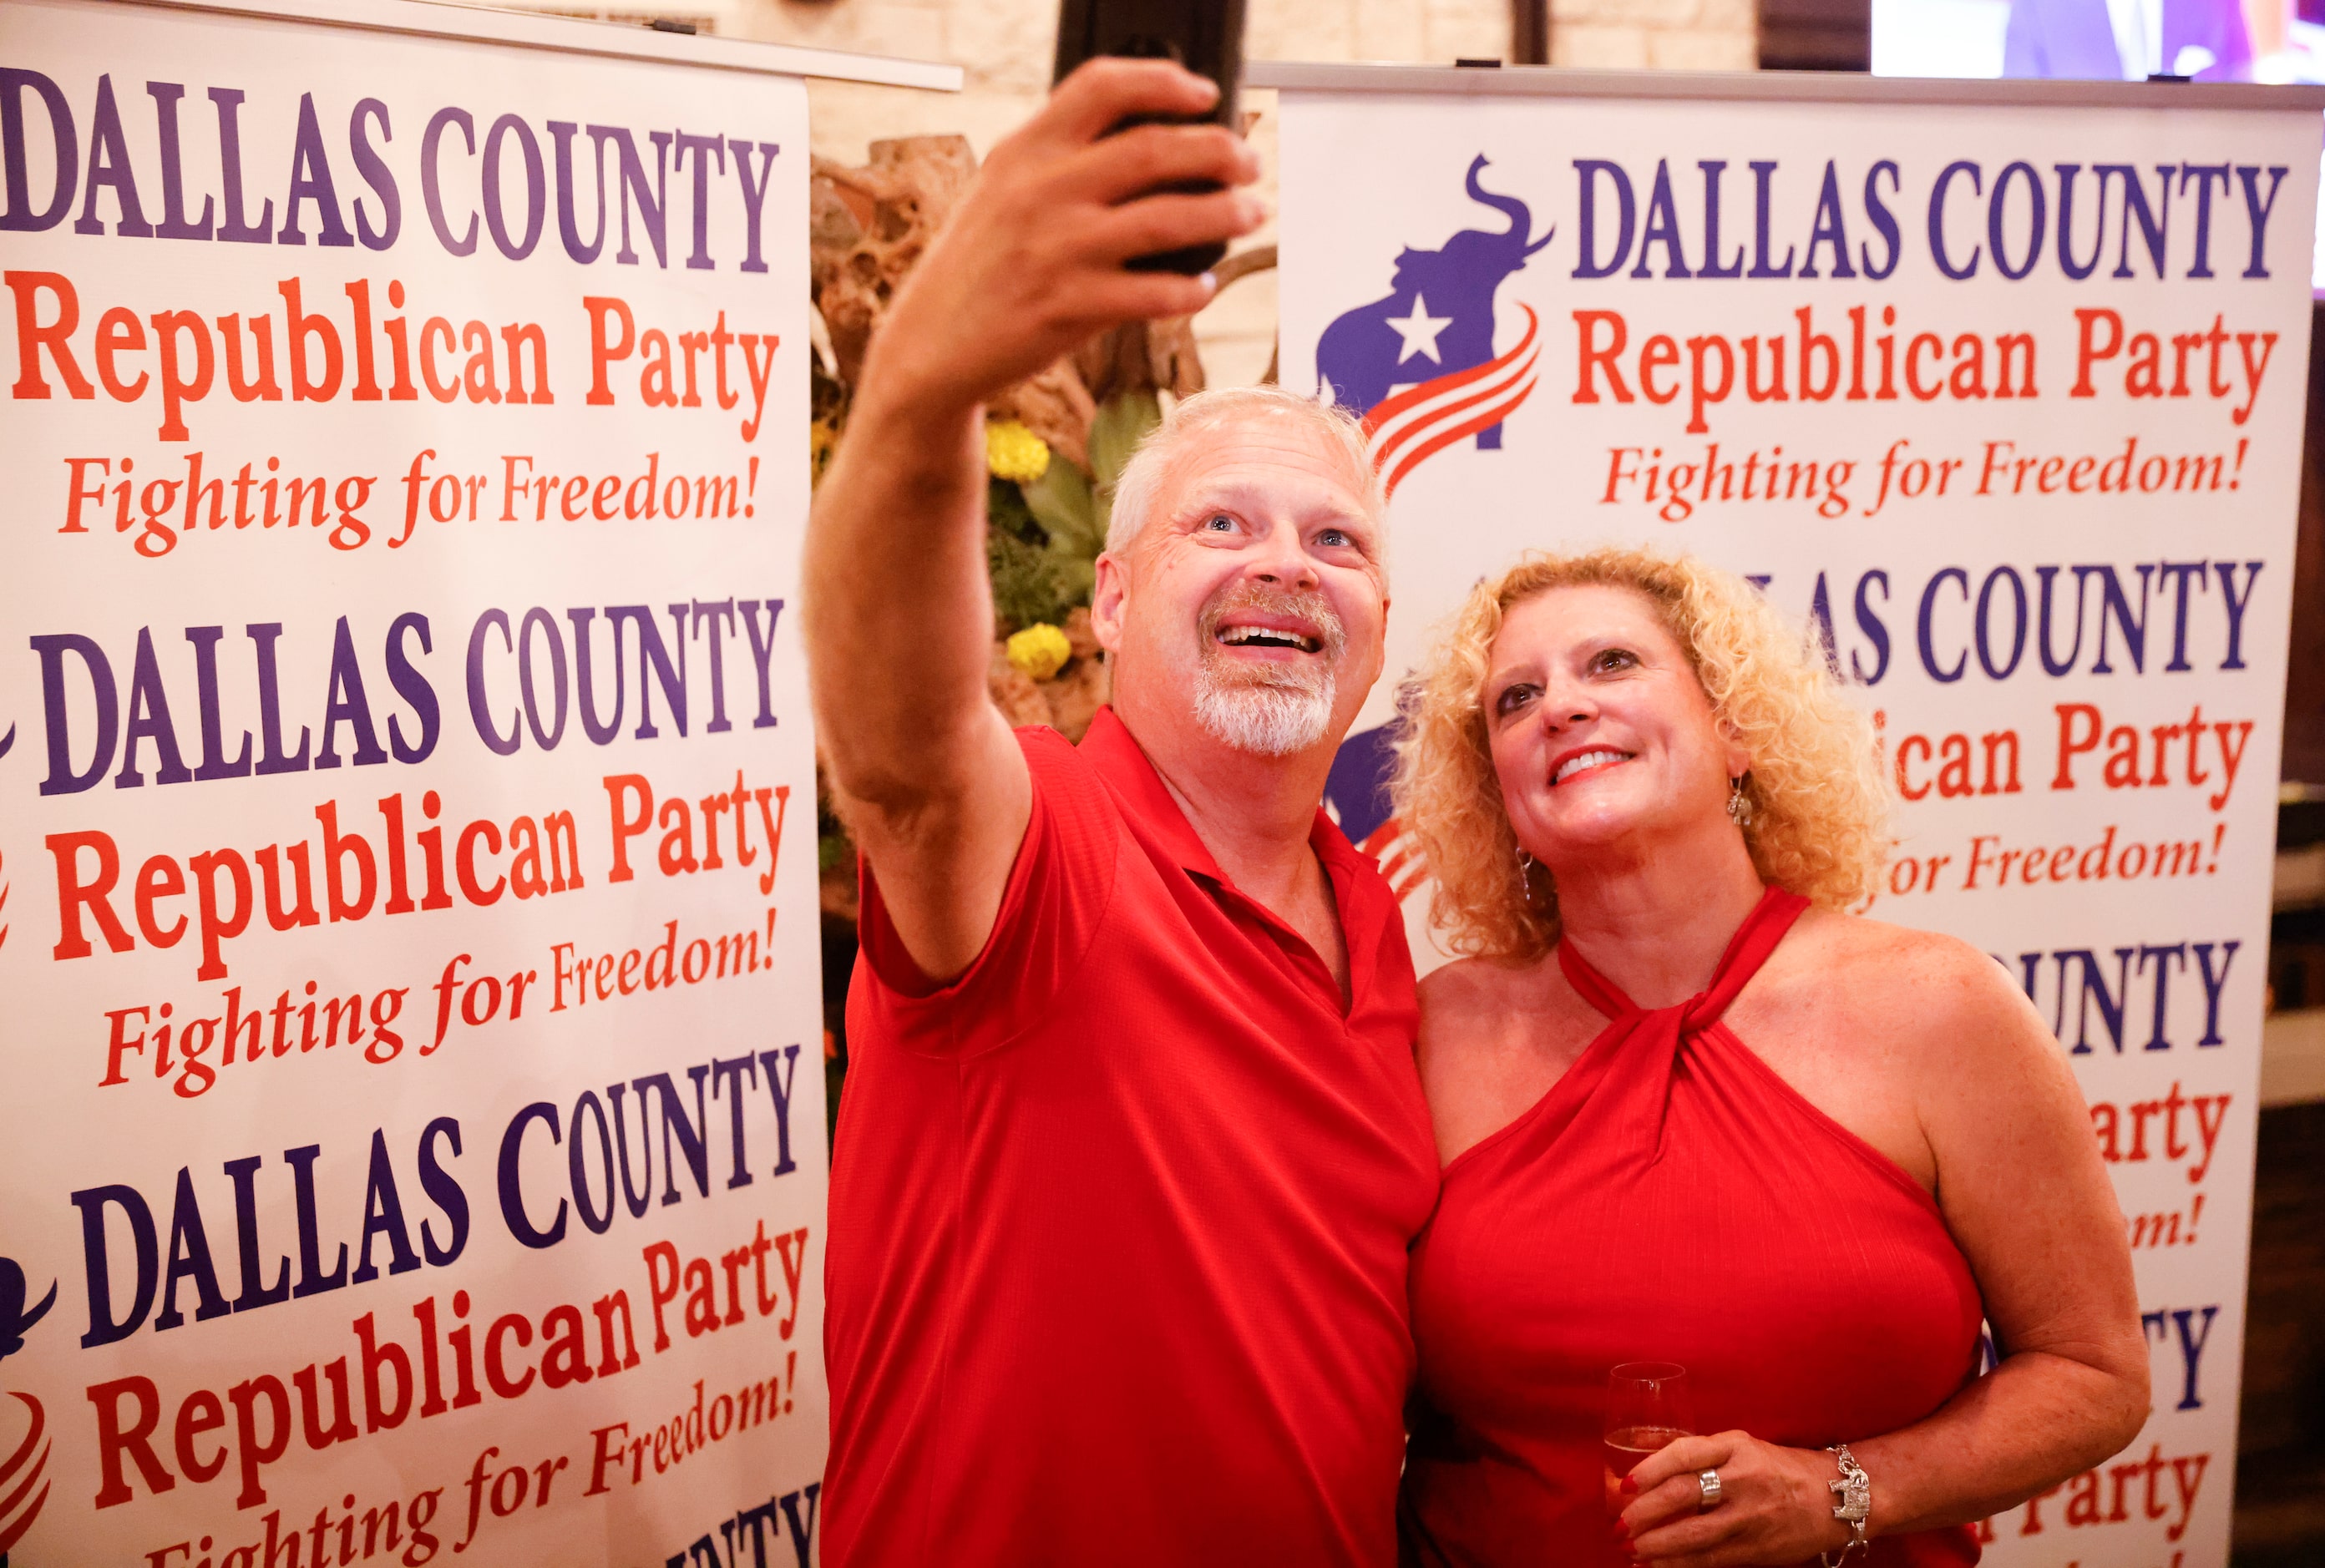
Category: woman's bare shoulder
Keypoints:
(1474, 1002)
(1494, 1036)
(1875, 948)
(1920, 988)
(1468, 990)
(1462, 985)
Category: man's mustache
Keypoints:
(1308, 607)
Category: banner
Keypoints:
(413, 1147)
(1999, 390)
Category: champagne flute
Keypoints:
(1648, 1404)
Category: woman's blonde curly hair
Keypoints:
(1820, 823)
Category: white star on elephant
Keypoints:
(1420, 331)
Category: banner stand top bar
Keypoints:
(572, 35)
(1774, 86)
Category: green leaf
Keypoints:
(1062, 501)
(1005, 509)
(832, 851)
(1121, 422)
(1026, 590)
(1076, 579)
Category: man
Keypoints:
(1133, 1145)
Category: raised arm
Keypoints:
(2027, 1198)
(897, 609)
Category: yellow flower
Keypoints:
(1014, 452)
(1040, 652)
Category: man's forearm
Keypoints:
(898, 615)
(1030, 263)
(897, 609)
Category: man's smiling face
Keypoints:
(1254, 600)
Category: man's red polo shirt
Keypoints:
(1116, 1266)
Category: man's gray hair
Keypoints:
(1142, 477)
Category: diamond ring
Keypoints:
(1710, 1483)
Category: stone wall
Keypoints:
(1005, 47)
(1658, 34)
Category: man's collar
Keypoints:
(1125, 766)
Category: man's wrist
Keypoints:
(890, 407)
(902, 382)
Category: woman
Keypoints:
(1690, 1111)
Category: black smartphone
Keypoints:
(1206, 36)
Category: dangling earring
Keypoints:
(1739, 804)
(1526, 867)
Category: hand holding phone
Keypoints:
(1033, 259)
(1205, 36)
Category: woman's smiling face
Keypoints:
(1601, 732)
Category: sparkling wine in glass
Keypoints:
(1647, 1406)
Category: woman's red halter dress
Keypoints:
(1670, 1199)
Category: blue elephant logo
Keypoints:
(24, 1485)
(1357, 787)
(16, 1322)
(1358, 790)
(23, 1481)
(1433, 333)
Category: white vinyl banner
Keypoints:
(413, 1146)
(2002, 397)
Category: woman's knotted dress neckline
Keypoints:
(1656, 1038)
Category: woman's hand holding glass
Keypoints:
(1648, 1405)
(1775, 1504)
